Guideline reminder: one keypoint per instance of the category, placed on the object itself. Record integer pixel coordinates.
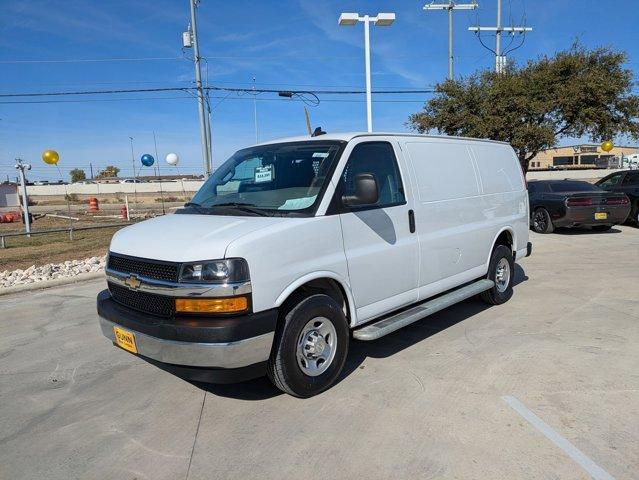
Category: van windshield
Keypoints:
(276, 179)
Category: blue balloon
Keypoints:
(147, 160)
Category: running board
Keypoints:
(388, 325)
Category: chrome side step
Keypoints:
(388, 325)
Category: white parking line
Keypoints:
(594, 470)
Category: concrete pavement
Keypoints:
(424, 402)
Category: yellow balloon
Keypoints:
(607, 146)
(50, 157)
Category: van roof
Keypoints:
(347, 136)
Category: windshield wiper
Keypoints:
(245, 207)
(192, 204)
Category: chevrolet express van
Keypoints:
(293, 246)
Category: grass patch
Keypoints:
(22, 251)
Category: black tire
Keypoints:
(601, 228)
(541, 221)
(283, 368)
(634, 215)
(497, 295)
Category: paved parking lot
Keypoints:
(545, 386)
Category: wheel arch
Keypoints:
(326, 282)
(505, 236)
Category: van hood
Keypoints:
(184, 238)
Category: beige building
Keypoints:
(579, 156)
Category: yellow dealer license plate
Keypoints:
(601, 216)
(125, 339)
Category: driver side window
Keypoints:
(377, 158)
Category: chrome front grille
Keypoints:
(155, 269)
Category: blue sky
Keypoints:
(291, 44)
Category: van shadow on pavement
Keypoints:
(261, 388)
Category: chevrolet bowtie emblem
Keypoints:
(133, 282)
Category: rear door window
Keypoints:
(611, 181)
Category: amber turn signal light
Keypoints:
(211, 305)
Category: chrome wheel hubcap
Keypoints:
(502, 275)
(316, 346)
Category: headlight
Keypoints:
(230, 270)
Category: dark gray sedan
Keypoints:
(572, 203)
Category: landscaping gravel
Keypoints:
(34, 274)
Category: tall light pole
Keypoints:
(189, 38)
(450, 7)
(500, 58)
(381, 20)
(21, 167)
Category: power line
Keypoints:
(227, 97)
(224, 89)
(91, 60)
(210, 57)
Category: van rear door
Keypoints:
(448, 213)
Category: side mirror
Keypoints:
(366, 191)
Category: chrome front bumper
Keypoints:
(234, 354)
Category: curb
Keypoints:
(57, 282)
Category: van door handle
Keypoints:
(411, 221)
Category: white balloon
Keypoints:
(172, 159)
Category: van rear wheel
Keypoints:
(310, 346)
(501, 270)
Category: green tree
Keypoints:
(77, 175)
(576, 93)
(109, 171)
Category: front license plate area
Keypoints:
(125, 339)
(601, 216)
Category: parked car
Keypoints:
(131, 180)
(574, 203)
(291, 244)
(624, 182)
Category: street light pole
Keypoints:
(381, 20)
(200, 93)
(23, 190)
(367, 54)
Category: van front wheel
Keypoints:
(310, 346)
(501, 270)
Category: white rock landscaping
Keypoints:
(34, 274)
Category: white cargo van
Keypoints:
(293, 246)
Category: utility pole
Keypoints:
(159, 174)
(91, 168)
(500, 57)
(450, 7)
(135, 185)
(21, 167)
(200, 93)
(257, 137)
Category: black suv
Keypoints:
(624, 182)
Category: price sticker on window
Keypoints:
(264, 174)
